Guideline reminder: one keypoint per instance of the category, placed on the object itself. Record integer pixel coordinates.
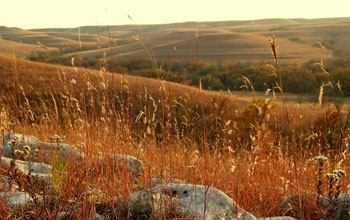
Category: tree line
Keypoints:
(332, 74)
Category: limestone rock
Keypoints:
(64, 151)
(65, 215)
(16, 198)
(333, 209)
(157, 181)
(130, 163)
(140, 203)
(338, 208)
(290, 205)
(122, 162)
(6, 185)
(25, 167)
(199, 201)
(16, 141)
(99, 217)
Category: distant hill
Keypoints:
(39, 79)
(227, 41)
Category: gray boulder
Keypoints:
(122, 162)
(62, 150)
(199, 201)
(39, 170)
(130, 163)
(16, 141)
(338, 208)
(16, 198)
(99, 217)
(140, 203)
(6, 185)
(157, 181)
(290, 205)
(66, 215)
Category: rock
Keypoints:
(122, 162)
(25, 167)
(36, 148)
(6, 185)
(62, 215)
(157, 181)
(199, 201)
(18, 141)
(290, 205)
(338, 208)
(99, 217)
(64, 151)
(16, 198)
(141, 203)
(130, 163)
(65, 215)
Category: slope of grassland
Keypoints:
(38, 81)
(49, 39)
(229, 47)
(199, 137)
(10, 48)
(38, 78)
(29, 37)
(227, 41)
(232, 41)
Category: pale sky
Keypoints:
(73, 13)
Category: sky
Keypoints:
(29, 14)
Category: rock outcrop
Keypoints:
(334, 209)
(338, 208)
(166, 195)
(199, 201)
(26, 167)
(129, 163)
(16, 198)
(30, 145)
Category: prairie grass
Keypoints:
(245, 150)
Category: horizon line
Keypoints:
(180, 22)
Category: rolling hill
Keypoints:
(37, 83)
(227, 41)
(37, 80)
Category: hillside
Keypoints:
(38, 82)
(228, 41)
(100, 144)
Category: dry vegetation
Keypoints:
(255, 151)
(8, 48)
(227, 41)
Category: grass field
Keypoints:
(245, 147)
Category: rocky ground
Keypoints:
(20, 155)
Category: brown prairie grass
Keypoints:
(247, 154)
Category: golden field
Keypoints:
(256, 150)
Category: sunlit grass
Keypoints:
(249, 153)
